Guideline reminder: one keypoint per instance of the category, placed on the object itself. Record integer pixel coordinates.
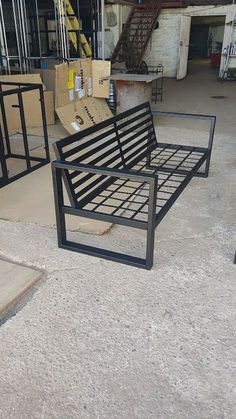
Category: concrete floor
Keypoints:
(15, 281)
(102, 340)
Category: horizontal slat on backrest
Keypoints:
(114, 143)
(136, 135)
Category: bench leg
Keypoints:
(59, 202)
(151, 223)
(210, 143)
(150, 245)
(63, 243)
(148, 161)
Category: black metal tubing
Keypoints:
(3, 160)
(24, 130)
(210, 118)
(6, 154)
(180, 189)
(44, 120)
(104, 124)
(4, 121)
(157, 91)
(61, 210)
(24, 87)
(152, 194)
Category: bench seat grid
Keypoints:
(129, 199)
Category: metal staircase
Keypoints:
(137, 31)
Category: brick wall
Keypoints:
(164, 45)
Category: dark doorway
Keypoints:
(199, 41)
(205, 46)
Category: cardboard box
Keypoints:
(61, 85)
(101, 70)
(77, 84)
(31, 102)
(48, 77)
(82, 114)
(73, 118)
(49, 107)
(81, 78)
(22, 78)
(83, 70)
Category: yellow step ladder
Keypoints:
(72, 24)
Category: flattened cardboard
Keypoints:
(49, 107)
(73, 117)
(48, 77)
(90, 76)
(82, 67)
(103, 109)
(21, 78)
(74, 106)
(90, 108)
(100, 70)
(61, 88)
(83, 114)
(65, 84)
(86, 74)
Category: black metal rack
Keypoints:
(6, 153)
(157, 90)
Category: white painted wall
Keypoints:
(232, 60)
(164, 45)
(112, 33)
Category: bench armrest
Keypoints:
(180, 115)
(58, 168)
(118, 173)
(185, 115)
(212, 123)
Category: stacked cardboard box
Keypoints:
(80, 91)
(76, 91)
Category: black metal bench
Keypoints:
(117, 171)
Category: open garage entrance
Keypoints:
(205, 45)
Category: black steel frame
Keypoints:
(155, 190)
(5, 141)
(158, 84)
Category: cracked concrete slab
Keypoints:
(30, 199)
(15, 281)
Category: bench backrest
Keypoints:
(119, 142)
